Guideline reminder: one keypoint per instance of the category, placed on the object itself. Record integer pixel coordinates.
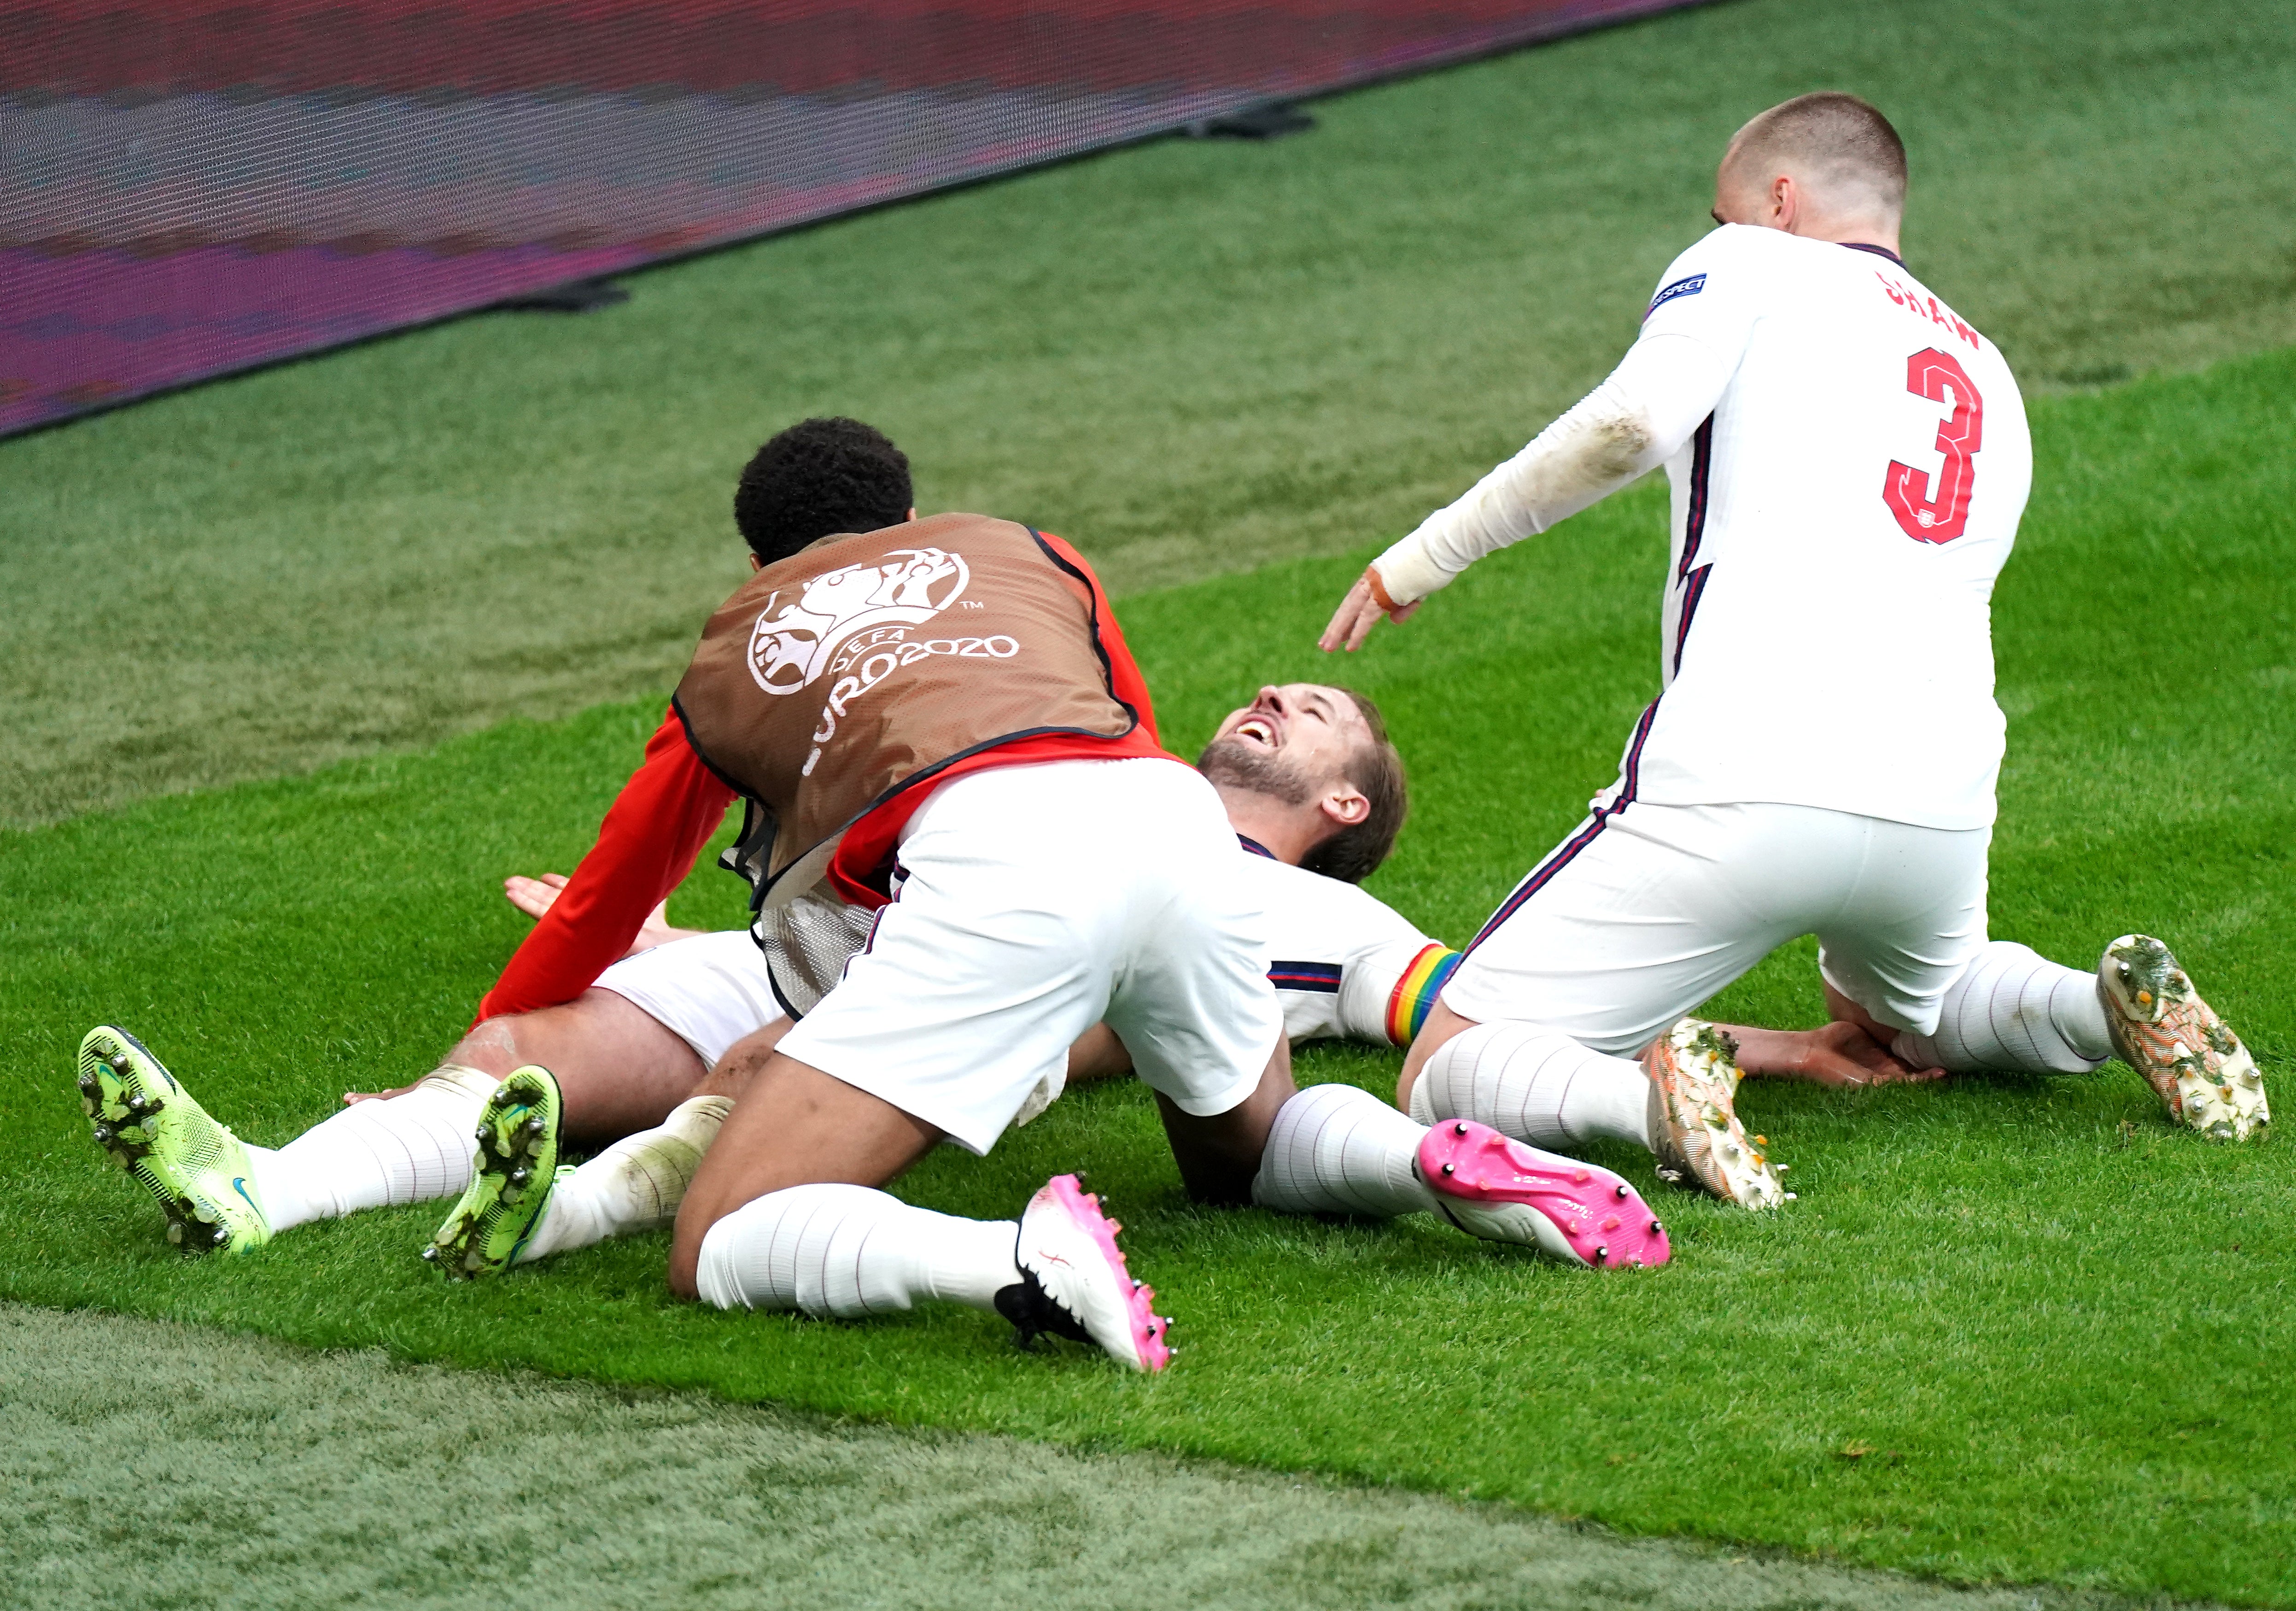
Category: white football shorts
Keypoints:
(1646, 912)
(709, 989)
(1032, 902)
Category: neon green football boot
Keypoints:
(516, 1166)
(149, 1123)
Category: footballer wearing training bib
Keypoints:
(1848, 460)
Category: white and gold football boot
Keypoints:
(2164, 1031)
(1693, 1117)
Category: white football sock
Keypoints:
(1535, 1085)
(635, 1184)
(2014, 1010)
(379, 1153)
(1337, 1149)
(848, 1251)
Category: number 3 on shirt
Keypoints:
(1936, 375)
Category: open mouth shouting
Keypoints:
(1287, 743)
(1259, 729)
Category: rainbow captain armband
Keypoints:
(1414, 993)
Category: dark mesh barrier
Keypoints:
(189, 187)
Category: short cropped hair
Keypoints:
(1843, 141)
(1376, 772)
(818, 477)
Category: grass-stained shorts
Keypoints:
(1032, 902)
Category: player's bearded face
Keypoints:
(1290, 744)
(1233, 763)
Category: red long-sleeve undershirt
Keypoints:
(672, 804)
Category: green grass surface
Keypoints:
(2060, 1328)
(239, 1473)
(1192, 356)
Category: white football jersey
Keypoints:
(1344, 964)
(1839, 520)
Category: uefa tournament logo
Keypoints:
(796, 638)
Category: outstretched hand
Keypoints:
(351, 1096)
(1840, 1053)
(1358, 613)
(535, 896)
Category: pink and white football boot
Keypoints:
(1494, 1187)
(1074, 1284)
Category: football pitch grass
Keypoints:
(312, 1481)
(2012, 1331)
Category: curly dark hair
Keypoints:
(1353, 854)
(818, 477)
